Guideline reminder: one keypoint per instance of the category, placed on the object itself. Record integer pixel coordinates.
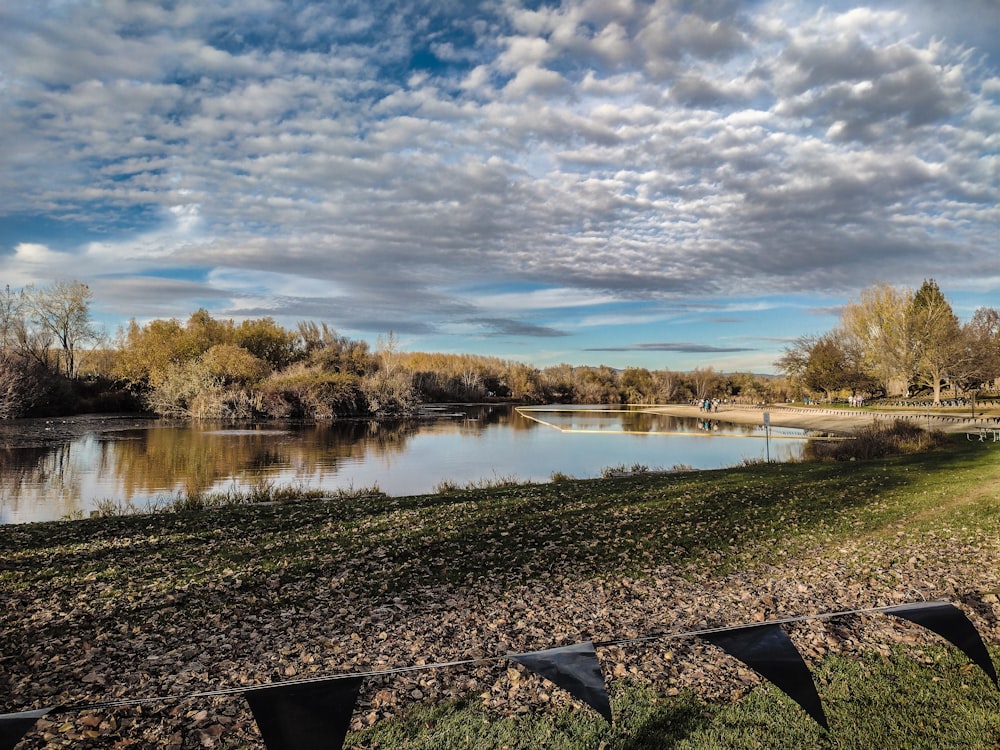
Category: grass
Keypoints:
(497, 482)
(870, 702)
(579, 527)
(380, 551)
(264, 492)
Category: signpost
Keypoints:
(767, 434)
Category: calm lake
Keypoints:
(59, 468)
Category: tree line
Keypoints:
(897, 342)
(891, 342)
(55, 361)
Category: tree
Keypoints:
(827, 367)
(16, 333)
(936, 337)
(596, 385)
(202, 332)
(323, 346)
(23, 384)
(180, 387)
(983, 333)
(11, 315)
(636, 385)
(795, 360)
(978, 362)
(664, 384)
(387, 351)
(268, 341)
(877, 328)
(147, 352)
(558, 381)
(232, 364)
(63, 310)
(704, 382)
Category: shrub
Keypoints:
(390, 395)
(187, 389)
(309, 391)
(29, 389)
(621, 469)
(234, 364)
(100, 394)
(878, 440)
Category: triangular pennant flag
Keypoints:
(573, 668)
(949, 622)
(769, 651)
(14, 726)
(305, 715)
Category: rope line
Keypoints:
(124, 703)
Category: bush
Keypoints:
(390, 395)
(877, 440)
(102, 395)
(233, 364)
(622, 470)
(187, 389)
(310, 392)
(29, 389)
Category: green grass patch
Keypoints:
(916, 699)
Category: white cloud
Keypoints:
(611, 151)
(269, 285)
(542, 299)
(535, 80)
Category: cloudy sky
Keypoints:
(667, 184)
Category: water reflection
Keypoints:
(641, 421)
(51, 469)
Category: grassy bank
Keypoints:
(170, 604)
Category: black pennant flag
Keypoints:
(14, 726)
(573, 668)
(949, 622)
(305, 715)
(769, 651)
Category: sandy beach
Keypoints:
(838, 421)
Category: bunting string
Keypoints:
(286, 683)
(662, 636)
(315, 712)
(665, 636)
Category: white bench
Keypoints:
(985, 432)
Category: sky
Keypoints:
(669, 184)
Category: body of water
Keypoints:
(52, 469)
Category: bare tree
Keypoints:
(795, 359)
(63, 311)
(704, 381)
(387, 350)
(977, 364)
(11, 315)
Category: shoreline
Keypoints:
(830, 420)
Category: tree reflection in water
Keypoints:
(64, 468)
